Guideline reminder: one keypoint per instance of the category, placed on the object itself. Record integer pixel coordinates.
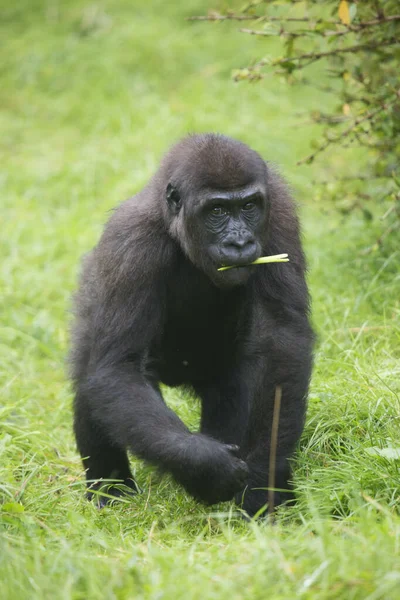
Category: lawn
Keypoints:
(91, 95)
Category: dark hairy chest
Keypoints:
(200, 334)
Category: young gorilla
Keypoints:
(152, 307)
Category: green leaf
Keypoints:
(13, 507)
(352, 11)
(289, 46)
(289, 66)
(324, 26)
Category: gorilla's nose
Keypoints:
(239, 239)
(239, 251)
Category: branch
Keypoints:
(237, 17)
(281, 33)
(368, 117)
(363, 25)
(348, 28)
(240, 17)
(318, 55)
(228, 17)
(252, 74)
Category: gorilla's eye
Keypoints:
(218, 211)
(249, 206)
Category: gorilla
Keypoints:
(153, 308)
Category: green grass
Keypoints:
(91, 95)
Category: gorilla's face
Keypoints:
(232, 224)
(218, 222)
(222, 228)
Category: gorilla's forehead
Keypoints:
(212, 161)
(227, 174)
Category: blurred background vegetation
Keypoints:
(92, 93)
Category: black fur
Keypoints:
(152, 307)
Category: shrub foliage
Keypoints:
(359, 42)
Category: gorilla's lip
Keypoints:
(237, 264)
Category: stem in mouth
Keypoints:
(275, 258)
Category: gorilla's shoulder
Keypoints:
(134, 233)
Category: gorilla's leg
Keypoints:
(225, 410)
(102, 460)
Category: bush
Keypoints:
(361, 42)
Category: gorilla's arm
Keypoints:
(118, 404)
(240, 410)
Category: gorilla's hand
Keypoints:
(256, 496)
(213, 471)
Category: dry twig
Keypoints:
(273, 448)
(313, 56)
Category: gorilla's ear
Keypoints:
(173, 198)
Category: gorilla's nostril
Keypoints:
(240, 243)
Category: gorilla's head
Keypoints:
(217, 208)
